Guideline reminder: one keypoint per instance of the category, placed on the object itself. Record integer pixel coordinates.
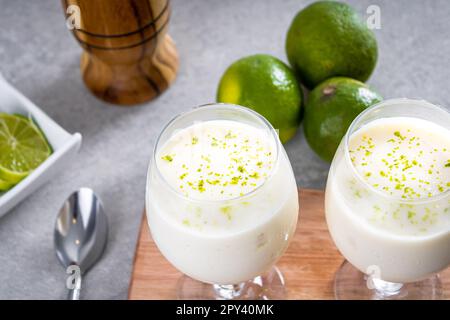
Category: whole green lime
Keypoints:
(268, 86)
(330, 110)
(328, 39)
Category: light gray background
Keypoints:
(41, 58)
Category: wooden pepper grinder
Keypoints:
(128, 56)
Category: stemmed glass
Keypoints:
(221, 264)
(382, 264)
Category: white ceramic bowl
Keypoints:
(64, 144)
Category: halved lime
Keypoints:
(23, 147)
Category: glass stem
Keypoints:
(228, 291)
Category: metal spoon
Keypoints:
(80, 235)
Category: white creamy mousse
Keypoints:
(388, 205)
(217, 160)
(224, 204)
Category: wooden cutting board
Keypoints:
(308, 265)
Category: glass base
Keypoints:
(269, 286)
(352, 284)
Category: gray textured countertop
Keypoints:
(40, 57)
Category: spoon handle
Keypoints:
(74, 294)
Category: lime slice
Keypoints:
(23, 147)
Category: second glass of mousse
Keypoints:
(222, 203)
(388, 202)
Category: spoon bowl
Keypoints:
(81, 232)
